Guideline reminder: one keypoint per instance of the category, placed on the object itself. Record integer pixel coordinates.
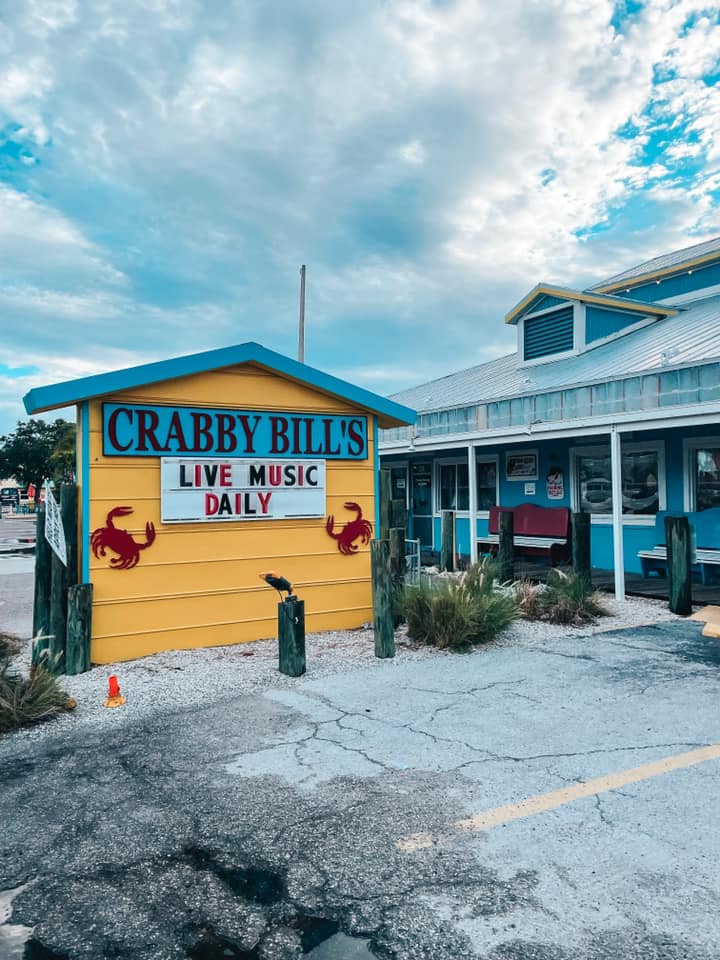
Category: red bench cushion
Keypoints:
(533, 521)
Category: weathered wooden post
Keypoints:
(447, 540)
(382, 588)
(63, 576)
(580, 527)
(677, 539)
(43, 573)
(398, 514)
(385, 494)
(79, 629)
(397, 569)
(291, 636)
(506, 546)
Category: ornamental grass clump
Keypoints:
(458, 613)
(566, 599)
(28, 700)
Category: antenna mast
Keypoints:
(301, 337)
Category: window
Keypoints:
(487, 482)
(454, 489)
(703, 461)
(642, 480)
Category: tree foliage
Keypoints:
(37, 450)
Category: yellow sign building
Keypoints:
(197, 474)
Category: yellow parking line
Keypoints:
(557, 798)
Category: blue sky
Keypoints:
(167, 165)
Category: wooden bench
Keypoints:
(705, 531)
(537, 532)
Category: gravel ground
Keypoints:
(178, 679)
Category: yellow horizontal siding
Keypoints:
(238, 387)
(197, 584)
(129, 647)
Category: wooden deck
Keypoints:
(656, 588)
(635, 586)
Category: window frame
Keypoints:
(448, 462)
(488, 458)
(690, 446)
(603, 449)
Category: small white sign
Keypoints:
(208, 491)
(529, 489)
(54, 533)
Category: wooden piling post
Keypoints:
(382, 588)
(397, 569)
(43, 573)
(580, 526)
(291, 637)
(398, 514)
(79, 629)
(63, 576)
(506, 546)
(385, 493)
(677, 539)
(447, 540)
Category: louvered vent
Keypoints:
(548, 334)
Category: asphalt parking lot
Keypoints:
(273, 824)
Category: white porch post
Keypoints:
(616, 474)
(472, 482)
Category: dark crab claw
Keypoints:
(351, 506)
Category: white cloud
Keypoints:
(429, 161)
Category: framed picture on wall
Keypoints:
(521, 465)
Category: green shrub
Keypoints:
(458, 613)
(28, 700)
(565, 598)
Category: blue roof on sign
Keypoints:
(390, 413)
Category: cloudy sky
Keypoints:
(167, 165)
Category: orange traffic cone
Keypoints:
(115, 698)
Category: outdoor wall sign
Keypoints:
(208, 490)
(521, 466)
(134, 430)
(555, 484)
(119, 541)
(357, 529)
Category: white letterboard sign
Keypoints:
(212, 490)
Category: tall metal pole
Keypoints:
(472, 481)
(616, 477)
(301, 338)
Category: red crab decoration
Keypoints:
(120, 541)
(351, 531)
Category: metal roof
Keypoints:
(65, 394)
(687, 339)
(665, 262)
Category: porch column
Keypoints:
(616, 475)
(472, 483)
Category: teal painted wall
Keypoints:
(556, 454)
(601, 322)
(673, 286)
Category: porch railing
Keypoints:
(412, 561)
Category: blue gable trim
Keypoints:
(542, 303)
(75, 391)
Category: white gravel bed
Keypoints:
(183, 679)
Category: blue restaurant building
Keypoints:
(615, 387)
